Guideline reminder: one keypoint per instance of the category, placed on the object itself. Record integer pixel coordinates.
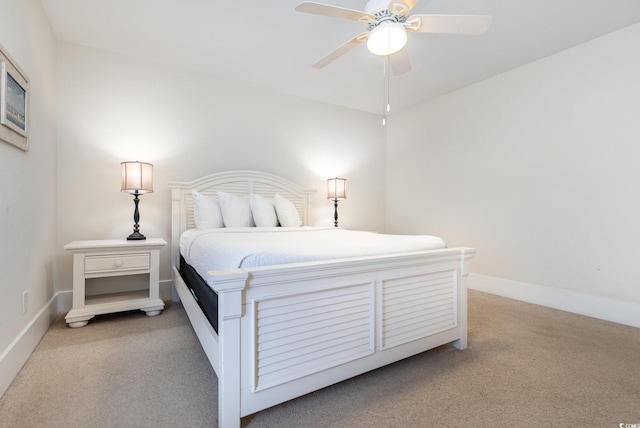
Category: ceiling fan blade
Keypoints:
(400, 63)
(403, 5)
(341, 50)
(333, 11)
(449, 24)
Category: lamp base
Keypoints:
(136, 236)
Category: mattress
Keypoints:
(206, 298)
(208, 250)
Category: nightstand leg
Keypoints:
(78, 281)
(154, 276)
(154, 286)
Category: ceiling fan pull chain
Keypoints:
(388, 76)
(385, 64)
(386, 103)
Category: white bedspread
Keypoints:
(229, 248)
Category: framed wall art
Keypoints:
(14, 102)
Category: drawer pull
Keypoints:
(117, 263)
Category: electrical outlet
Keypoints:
(24, 302)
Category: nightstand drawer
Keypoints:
(116, 263)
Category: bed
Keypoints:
(284, 330)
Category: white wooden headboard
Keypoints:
(236, 182)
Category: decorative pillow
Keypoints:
(206, 211)
(287, 212)
(263, 211)
(236, 210)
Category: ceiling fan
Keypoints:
(387, 23)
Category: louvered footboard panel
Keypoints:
(297, 335)
(416, 307)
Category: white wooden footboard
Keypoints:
(289, 330)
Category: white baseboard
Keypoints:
(604, 308)
(17, 353)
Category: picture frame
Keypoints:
(14, 102)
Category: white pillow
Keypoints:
(236, 210)
(286, 211)
(263, 211)
(206, 211)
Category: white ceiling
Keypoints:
(267, 44)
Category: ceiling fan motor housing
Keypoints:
(385, 15)
(383, 11)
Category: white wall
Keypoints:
(27, 188)
(537, 168)
(112, 109)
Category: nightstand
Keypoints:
(117, 257)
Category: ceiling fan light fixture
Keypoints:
(387, 38)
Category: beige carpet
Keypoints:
(526, 366)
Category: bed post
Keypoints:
(466, 255)
(176, 227)
(230, 288)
